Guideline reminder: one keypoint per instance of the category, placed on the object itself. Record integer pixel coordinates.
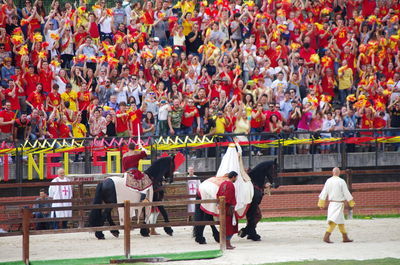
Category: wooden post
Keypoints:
(81, 212)
(222, 223)
(127, 229)
(26, 216)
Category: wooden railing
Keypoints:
(127, 227)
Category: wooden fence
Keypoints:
(127, 227)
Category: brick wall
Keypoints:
(370, 198)
(12, 211)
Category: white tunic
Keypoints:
(336, 191)
(61, 192)
(192, 185)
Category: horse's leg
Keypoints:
(145, 232)
(253, 217)
(214, 229)
(107, 215)
(95, 216)
(199, 215)
(164, 214)
(110, 197)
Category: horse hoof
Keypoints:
(254, 238)
(201, 241)
(168, 230)
(115, 233)
(99, 235)
(145, 232)
(242, 233)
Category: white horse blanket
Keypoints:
(124, 193)
(244, 190)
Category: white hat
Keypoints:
(156, 39)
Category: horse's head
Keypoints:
(161, 170)
(273, 174)
(263, 173)
(169, 174)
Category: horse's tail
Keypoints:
(95, 214)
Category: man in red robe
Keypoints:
(227, 189)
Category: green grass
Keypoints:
(387, 261)
(322, 217)
(209, 254)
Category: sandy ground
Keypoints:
(281, 241)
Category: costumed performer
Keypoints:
(335, 189)
(61, 192)
(136, 179)
(227, 189)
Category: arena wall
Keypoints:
(368, 198)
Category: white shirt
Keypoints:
(326, 126)
(163, 112)
(105, 26)
(278, 85)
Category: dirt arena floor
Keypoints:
(281, 241)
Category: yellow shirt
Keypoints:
(220, 125)
(345, 81)
(79, 130)
(187, 27)
(71, 98)
(187, 7)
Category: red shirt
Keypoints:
(52, 128)
(64, 130)
(55, 100)
(229, 127)
(306, 54)
(341, 37)
(31, 81)
(257, 122)
(85, 102)
(268, 115)
(188, 121)
(122, 122)
(136, 121)
(7, 116)
(36, 99)
(13, 99)
(46, 78)
(94, 30)
(328, 85)
(80, 37)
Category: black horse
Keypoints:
(264, 172)
(161, 170)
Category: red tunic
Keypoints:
(227, 189)
(130, 164)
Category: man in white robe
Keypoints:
(193, 186)
(61, 192)
(336, 191)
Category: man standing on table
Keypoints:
(61, 192)
(227, 189)
(336, 191)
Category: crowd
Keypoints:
(177, 68)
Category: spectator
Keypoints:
(175, 117)
(42, 214)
